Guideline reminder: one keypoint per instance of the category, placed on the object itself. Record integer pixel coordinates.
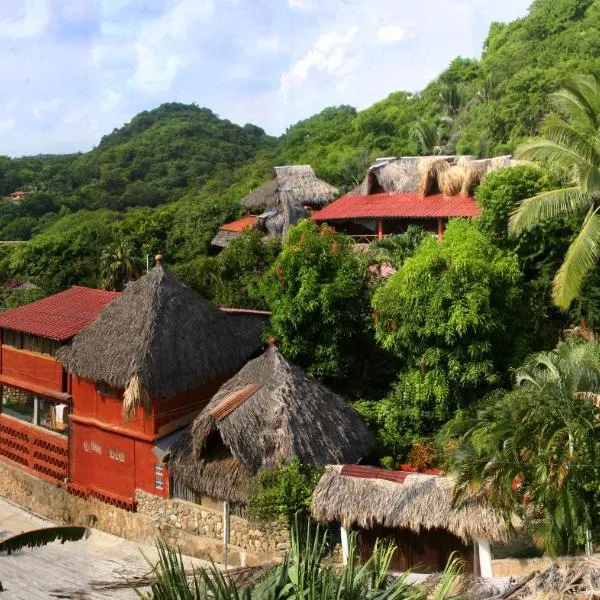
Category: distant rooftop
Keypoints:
(61, 316)
(399, 205)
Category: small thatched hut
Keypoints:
(300, 184)
(267, 414)
(415, 510)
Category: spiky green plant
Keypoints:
(570, 143)
(302, 575)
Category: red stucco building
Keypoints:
(95, 383)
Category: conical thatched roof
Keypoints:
(366, 497)
(267, 414)
(157, 339)
(297, 181)
(450, 175)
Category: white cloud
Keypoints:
(239, 72)
(390, 34)
(270, 44)
(45, 107)
(110, 99)
(300, 4)
(30, 21)
(162, 46)
(7, 125)
(328, 55)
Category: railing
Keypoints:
(44, 453)
(367, 238)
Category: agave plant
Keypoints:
(302, 575)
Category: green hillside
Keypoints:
(189, 168)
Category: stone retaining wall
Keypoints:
(200, 520)
(196, 530)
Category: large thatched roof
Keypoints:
(363, 497)
(298, 182)
(267, 414)
(450, 175)
(157, 339)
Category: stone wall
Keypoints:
(200, 520)
(196, 530)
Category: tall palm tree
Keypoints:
(533, 450)
(570, 143)
(118, 266)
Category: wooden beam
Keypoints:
(379, 229)
(440, 229)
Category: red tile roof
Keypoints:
(397, 205)
(61, 316)
(364, 472)
(240, 224)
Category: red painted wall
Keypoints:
(89, 403)
(103, 461)
(25, 366)
(115, 457)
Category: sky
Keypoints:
(73, 70)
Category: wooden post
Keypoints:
(225, 532)
(379, 229)
(485, 558)
(440, 230)
(344, 536)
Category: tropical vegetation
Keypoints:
(303, 574)
(415, 333)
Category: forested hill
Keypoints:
(167, 179)
(154, 159)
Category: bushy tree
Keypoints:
(450, 315)
(240, 268)
(318, 293)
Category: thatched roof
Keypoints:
(223, 238)
(267, 414)
(287, 212)
(298, 181)
(450, 175)
(414, 501)
(157, 339)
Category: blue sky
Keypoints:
(72, 70)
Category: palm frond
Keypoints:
(41, 537)
(582, 256)
(547, 206)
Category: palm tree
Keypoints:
(533, 450)
(570, 143)
(118, 266)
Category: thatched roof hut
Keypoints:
(157, 339)
(298, 182)
(368, 497)
(449, 175)
(267, 414)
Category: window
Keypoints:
(37, 410)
